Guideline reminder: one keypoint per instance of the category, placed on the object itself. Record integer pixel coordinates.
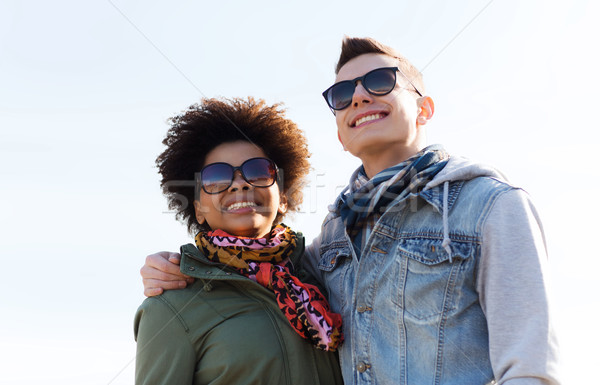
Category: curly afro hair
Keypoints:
(202, 127)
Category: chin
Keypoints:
(253, 230)
(375, 142)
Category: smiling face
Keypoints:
(242, 209)
(380, 130)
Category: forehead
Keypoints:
(362, 64)
(234, 153)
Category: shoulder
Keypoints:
(515, 208)
(159, 309)
(486, 185)
(185, 307)
(477, 181)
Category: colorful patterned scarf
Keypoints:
(266, 261)
(362, 206)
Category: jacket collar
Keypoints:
(435, 196)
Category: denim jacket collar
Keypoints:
(435, 196)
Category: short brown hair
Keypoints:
(202, 127)
(355, 46)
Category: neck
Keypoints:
(377, 162)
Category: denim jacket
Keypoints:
(450, 287)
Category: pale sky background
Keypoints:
(86, 88)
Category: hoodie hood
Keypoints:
(462, 169)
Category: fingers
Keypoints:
(165, 262)
(148, 272)
(161, 272)
(174, 258)
(151, 292)
(151, 284)
(153, 287)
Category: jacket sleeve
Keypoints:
(164, 352)
(513, 291)
(310, 262)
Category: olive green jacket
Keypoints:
(224, 329)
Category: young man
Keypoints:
(436, 264)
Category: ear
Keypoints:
(199, 212)
(282, 204)
(426, 109)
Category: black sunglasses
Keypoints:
(379, 82)
(218, 177)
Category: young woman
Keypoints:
(231, 170)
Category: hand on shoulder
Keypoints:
(161, 272)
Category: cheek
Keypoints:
(275, 199)
(407, 106)
(272, 197)
(340, 118)
(342, 130)
(206, 203)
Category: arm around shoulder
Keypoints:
(161, 272)
(514, 293)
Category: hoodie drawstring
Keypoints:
(446, 241)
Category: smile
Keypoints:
(368, 118)
(239, 205)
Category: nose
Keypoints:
(239, 183)
(361, 95)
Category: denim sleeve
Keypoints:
(513, 291)
(164, 353)
(310, 261)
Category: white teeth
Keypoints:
(239, 205)
(367, 118)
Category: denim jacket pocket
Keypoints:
(332, 254)
(431, 276)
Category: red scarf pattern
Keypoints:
(266, 261)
